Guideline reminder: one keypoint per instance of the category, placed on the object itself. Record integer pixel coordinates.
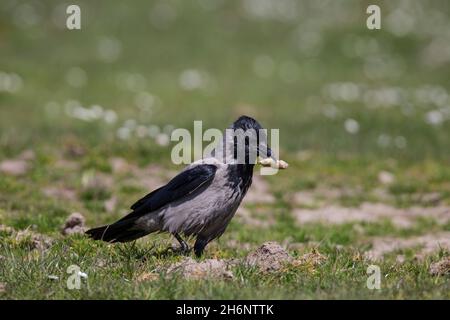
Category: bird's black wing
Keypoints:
(181, 185)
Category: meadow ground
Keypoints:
(85, 122)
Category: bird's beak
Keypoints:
(268, 157)
(268, 154)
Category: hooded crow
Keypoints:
(201, 200)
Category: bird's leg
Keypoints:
(199, 246)
(184, 245)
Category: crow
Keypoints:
(202, 199)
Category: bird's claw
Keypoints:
(184, 247)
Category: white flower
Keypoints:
(162, 139)
(434, 117)
(191, 79)
(123, 133)
(351, 126)
(110, 116)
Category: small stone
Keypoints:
(441, 267)
(74, 224)
(269, 257)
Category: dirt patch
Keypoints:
(321, 196)
(440, 268)
(249, 218)
(269, 257)
(92, 180)
(2, 287)
(14, 167)
(33, 240)
(75, 223)
(428, 245)
(18, 166)
(120, 166)
(372, 212)
(210, 268)
(60, 193)
(259, 192)
(305, 198)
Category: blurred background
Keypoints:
(312, 69)
(364, 120)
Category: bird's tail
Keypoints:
(120, 231)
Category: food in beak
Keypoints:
(270, 162)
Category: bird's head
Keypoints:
(249, 141)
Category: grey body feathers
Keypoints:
(206, 213)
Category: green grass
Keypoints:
(290, 73)
(113, 274)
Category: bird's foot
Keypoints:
(179, 250)
(184, 247)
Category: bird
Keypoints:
(201, 200)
